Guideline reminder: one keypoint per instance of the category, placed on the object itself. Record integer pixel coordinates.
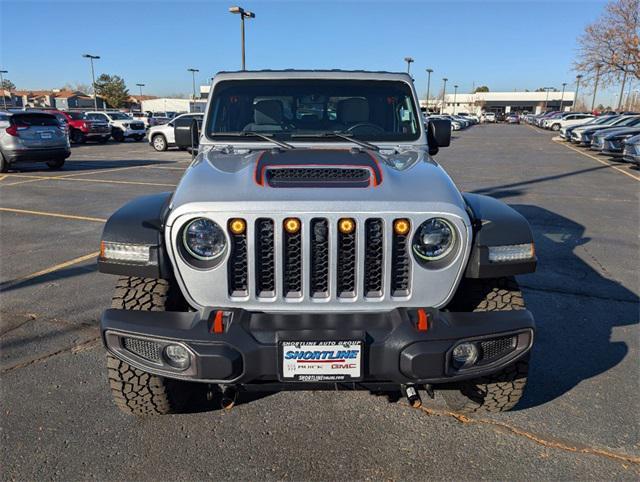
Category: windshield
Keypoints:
(369, 110)
(626, 121)
(119, 116)
(76, 115)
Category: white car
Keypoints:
(489, 117)
(163, 136)
(567, 121)
(123, 127)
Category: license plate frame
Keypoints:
(46, 135)
(324, 364)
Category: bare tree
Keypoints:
(612, 42)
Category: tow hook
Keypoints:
(228, 399)
(412, 395)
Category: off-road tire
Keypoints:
(55, 164)
(135, 391)
(499, 391)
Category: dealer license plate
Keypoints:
(321, 361)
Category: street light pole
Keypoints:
(193, 74)
(141, 86)
(4, 100)
(575, 99)
(595, 87)
(564, 84)
(455, 94)
(93, 77)
(429, 72)
(409, 61)
(243, 14)
(444, 91)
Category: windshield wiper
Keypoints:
(342, 135)
(254, 134)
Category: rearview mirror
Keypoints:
(438, 134)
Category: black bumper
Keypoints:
(247, 351)
(34, 155)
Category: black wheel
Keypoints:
(77, 137)
(4, 165)
(55, 164)
(135, 391)
(159, 142)
(118, 135)
(499, 391)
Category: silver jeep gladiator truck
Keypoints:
(314, 243)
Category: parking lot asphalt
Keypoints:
(579, 417)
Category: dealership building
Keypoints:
(501, 102)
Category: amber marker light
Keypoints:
(401, 226)
(346, 225)
(237, 226)
(292, 225)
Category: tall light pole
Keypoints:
(243, 14)
(409, 61)
(93, 78)
(564, 84)
(141, 86)
(444, 91)
(193, 74)
(575, 98)
(4, 100)
(429, 72)
(455, 94)
(595, 86)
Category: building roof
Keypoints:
(138, 98)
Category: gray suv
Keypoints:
(32, 137)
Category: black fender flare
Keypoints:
(496, 224)
(139, 222)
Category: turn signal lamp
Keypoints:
(237, 226)
(401, 226)
(292, 225)
(346, 225)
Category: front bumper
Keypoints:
(247, 349)
(35, 155)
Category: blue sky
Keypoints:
(506, 45)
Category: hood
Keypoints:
(316, 180)
(621, 131)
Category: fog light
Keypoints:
(464, 355)
(177, 356)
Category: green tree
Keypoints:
(8, 85)
(113, 89)
(482, 88)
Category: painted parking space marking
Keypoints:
(613, 166)
(54, 215)
(49, 270)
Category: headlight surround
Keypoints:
(434, 240)
(204, 239)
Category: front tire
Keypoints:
(118, 136)
(501, 391)
(555, 127)
(159, 143)
(55, 164)
(135, 391)
(77, 137)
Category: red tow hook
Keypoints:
(220, 320)
(423, 320)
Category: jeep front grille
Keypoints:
(318, 261)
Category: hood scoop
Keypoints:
(318, 168)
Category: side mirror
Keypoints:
(194, 131)
(438, 134)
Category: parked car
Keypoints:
(82, 129)
(610, 141)
(32, 136)
(631, 151)
(123, 127)
(489, 117)
(145, 117)
(164, 136)
(568, 120)
(471, 117)
(565, 132)
(582, 135)
(301, 252)
(513, 119)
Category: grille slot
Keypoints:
(491, 350)
(319, 277)
(374, 258)
(400, 265)
(237, 266)
(292, 261)
(148, 350)
(318, 177)
(265, 262)
(346, 270)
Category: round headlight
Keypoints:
(204, 239)
(435, 238)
